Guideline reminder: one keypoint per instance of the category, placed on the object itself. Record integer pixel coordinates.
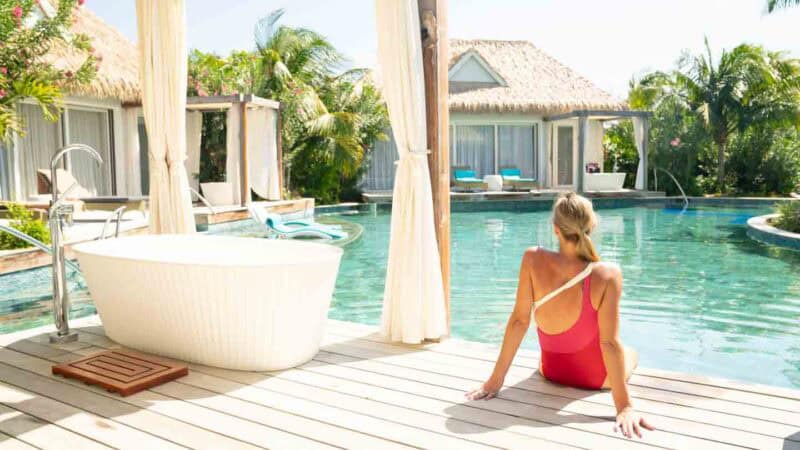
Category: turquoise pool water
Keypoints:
(700, 296)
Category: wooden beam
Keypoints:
(435, 61)
(244, 169)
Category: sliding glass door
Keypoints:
(516, 148)
(475, 149)
(90, 127)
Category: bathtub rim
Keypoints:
(330, 252)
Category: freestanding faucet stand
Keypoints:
(58, 214)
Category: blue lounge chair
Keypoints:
(465, 178)
(300, 229)
(512, 177)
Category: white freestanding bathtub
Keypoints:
(607, 181)
(231, 302)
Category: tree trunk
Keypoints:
(721, 147)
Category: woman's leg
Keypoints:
(631, 361)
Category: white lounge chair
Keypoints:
(293, 229)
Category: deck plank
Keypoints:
(185, 423)
(551, 408)
(362, 392)
(109, 432)
(39, 433)
(522, 377)
(354, 404)
(530, 359)
(647, 400)
(11, 443)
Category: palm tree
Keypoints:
(744, 85)
(774, 5)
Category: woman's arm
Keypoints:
(516, 328)
(628, 421)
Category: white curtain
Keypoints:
(41, 141)
(90, 128)
(515, 148)
(594, 143)
(194, 131)
(163, 73)
(132, 163)
(638, 136)
(380, 171)
(413, 303)
(475, 148)
(233, 153)
(262, 153)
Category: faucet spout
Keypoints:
(58, 212)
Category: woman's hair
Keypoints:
(575, 218)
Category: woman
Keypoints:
(577, 316)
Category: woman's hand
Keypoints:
(487, 391)
(630, 422)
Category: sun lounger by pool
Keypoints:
(512, 177)
(90, 202)
(295, 228)
(464, 178)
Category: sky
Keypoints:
(608, 41)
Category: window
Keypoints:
(487, 148)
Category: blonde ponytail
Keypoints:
(575, 218)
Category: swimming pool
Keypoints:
(700, 296)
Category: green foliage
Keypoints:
(621, 153)
(329, 119)
(22, 219)
(788, 217)
(774, 5)
(28, 36)
(740, 111)
(213, 147)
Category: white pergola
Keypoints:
(412, 36)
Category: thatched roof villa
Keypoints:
(512, 104)
(95, 114)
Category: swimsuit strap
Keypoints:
(572, 282)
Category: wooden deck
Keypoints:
(360, 392)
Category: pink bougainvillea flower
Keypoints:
(81, 2)
(18, 12)
(2, 93)
(4, 70)
(675, 142)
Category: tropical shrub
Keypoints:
(621, 154)
(22, 219)
(788, 217)
(725, 125)
(28, 35)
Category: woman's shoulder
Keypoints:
(606, 270)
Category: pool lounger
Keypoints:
(512, 177)
(464, 178)
(295, 228)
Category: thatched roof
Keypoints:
(118, 76)
(534, 82)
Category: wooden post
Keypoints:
(244, 169)
(435, 63)
(279, 134)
